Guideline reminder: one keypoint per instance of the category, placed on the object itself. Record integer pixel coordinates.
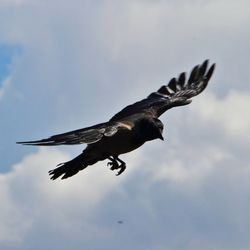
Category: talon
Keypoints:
(114, 165)
(122, 169)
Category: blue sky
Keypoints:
(70, 64)
(7, 52)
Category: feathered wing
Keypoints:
(176, 93)
(85, 135)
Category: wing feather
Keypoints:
(86, 135)
(177, 92)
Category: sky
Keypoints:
(65, 65)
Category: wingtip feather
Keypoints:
(36, 143)
(210, 71)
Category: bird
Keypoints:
(130, 128)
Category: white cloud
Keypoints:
(4, 86)
(190, 170)
(17, 188)
(13, 225)
(84, 209)
(213, 134)
(230, 113)
(28, 196)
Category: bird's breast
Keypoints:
(122, 142)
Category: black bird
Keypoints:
(130, 128)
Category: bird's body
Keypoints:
(124, 141)
(127, 137)
(128, 129)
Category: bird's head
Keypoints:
(151, 129)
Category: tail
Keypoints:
(72, 167)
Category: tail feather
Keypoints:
(72, 167)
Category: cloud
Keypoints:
(195, 151)
(191, 196)
(17, 190)
(4, 86)
(8, 54)
(190, 171)
(29, 198)
(230, 113)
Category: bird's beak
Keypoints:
(161, 137)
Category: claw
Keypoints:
(122, 169)
(114, 165)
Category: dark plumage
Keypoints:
(130, 128)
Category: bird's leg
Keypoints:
(114, 164)
(122, 166)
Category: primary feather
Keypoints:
(177, 92)
(85, 135)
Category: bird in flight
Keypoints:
(130, 128)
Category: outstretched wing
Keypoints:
(85, 135)
(176, 93)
